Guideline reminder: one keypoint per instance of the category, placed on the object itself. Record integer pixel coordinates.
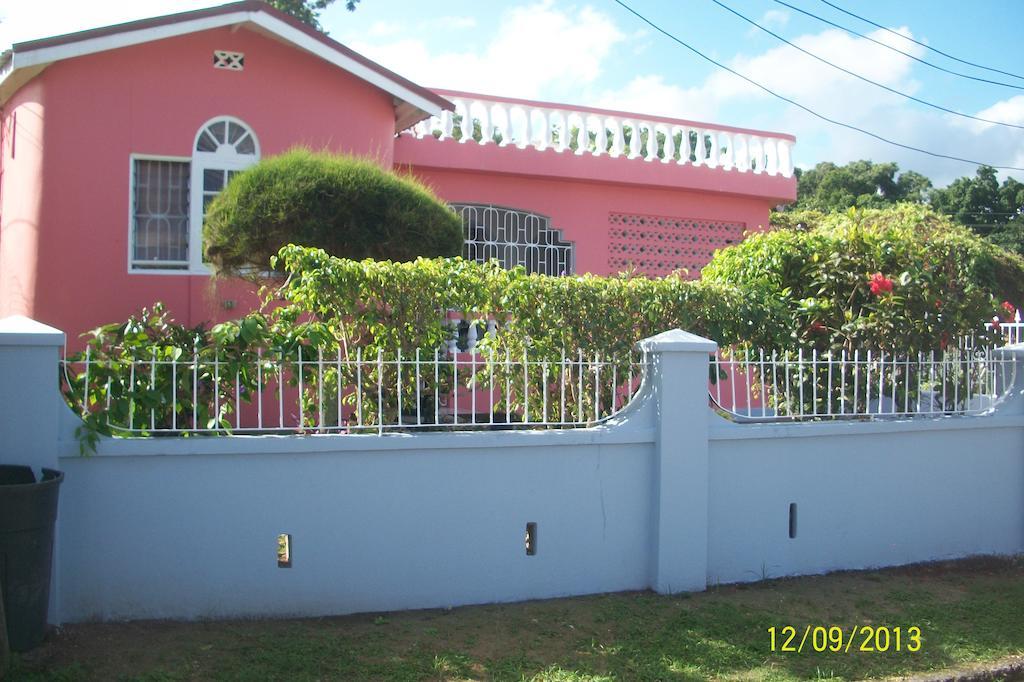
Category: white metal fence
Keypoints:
(311, 391)
(760, 385)
(1012, 332)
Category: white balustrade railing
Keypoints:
(488, 120)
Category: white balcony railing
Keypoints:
(506, 122)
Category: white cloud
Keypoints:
(535, 47)
(1007, 111)
(725, 99)
(775, 18)
(785, 71)
(451, 23)
(650, 94)
(20, 21)
(383, 29)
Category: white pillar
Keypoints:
(30, 406)
(679, 366)
(30, 399)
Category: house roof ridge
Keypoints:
(243, 6)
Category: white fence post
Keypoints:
(1013, 385)
(679, 371)
(30, 404)
(29, 392)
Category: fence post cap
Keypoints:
(678, 340)
(18, 330)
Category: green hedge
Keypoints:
(390, 305)
(350, 207)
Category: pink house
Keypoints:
(113, 140)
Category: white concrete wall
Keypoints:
(377, 523)
(867, 494)
(667, 496)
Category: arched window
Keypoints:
(223, 147)
(169, 195)
(514, 237)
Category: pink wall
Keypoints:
(66, 192)
(21, 161)
(152, 99)
(539, 181)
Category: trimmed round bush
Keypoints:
(899, 279)
(347, 206)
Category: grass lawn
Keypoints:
(970, 613)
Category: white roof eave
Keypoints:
(26, 65)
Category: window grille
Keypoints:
(515, 237)
(160, 211)
(170, 197)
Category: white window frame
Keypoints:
(132, 268)
(225, 158)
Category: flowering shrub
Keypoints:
(902, 279)
(880, 284)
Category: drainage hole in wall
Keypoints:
(792, 520)
(284, 550)
(531, 538)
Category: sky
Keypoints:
(596, 53)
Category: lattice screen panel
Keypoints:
(658, 245)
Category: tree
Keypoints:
(308, 10)
(828, 187)
(990, 209)
(348, 207)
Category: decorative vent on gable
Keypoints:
(233, 61)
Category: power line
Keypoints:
(917, 42)
(863, 78)
(895, 49)
(801, 106)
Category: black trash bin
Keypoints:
(28, 510)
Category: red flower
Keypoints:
(1008, 307)
(816, 327)
(938, 304)
(995, 322)
(880, 284)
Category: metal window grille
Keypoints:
(515, 237)
(160, 214)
